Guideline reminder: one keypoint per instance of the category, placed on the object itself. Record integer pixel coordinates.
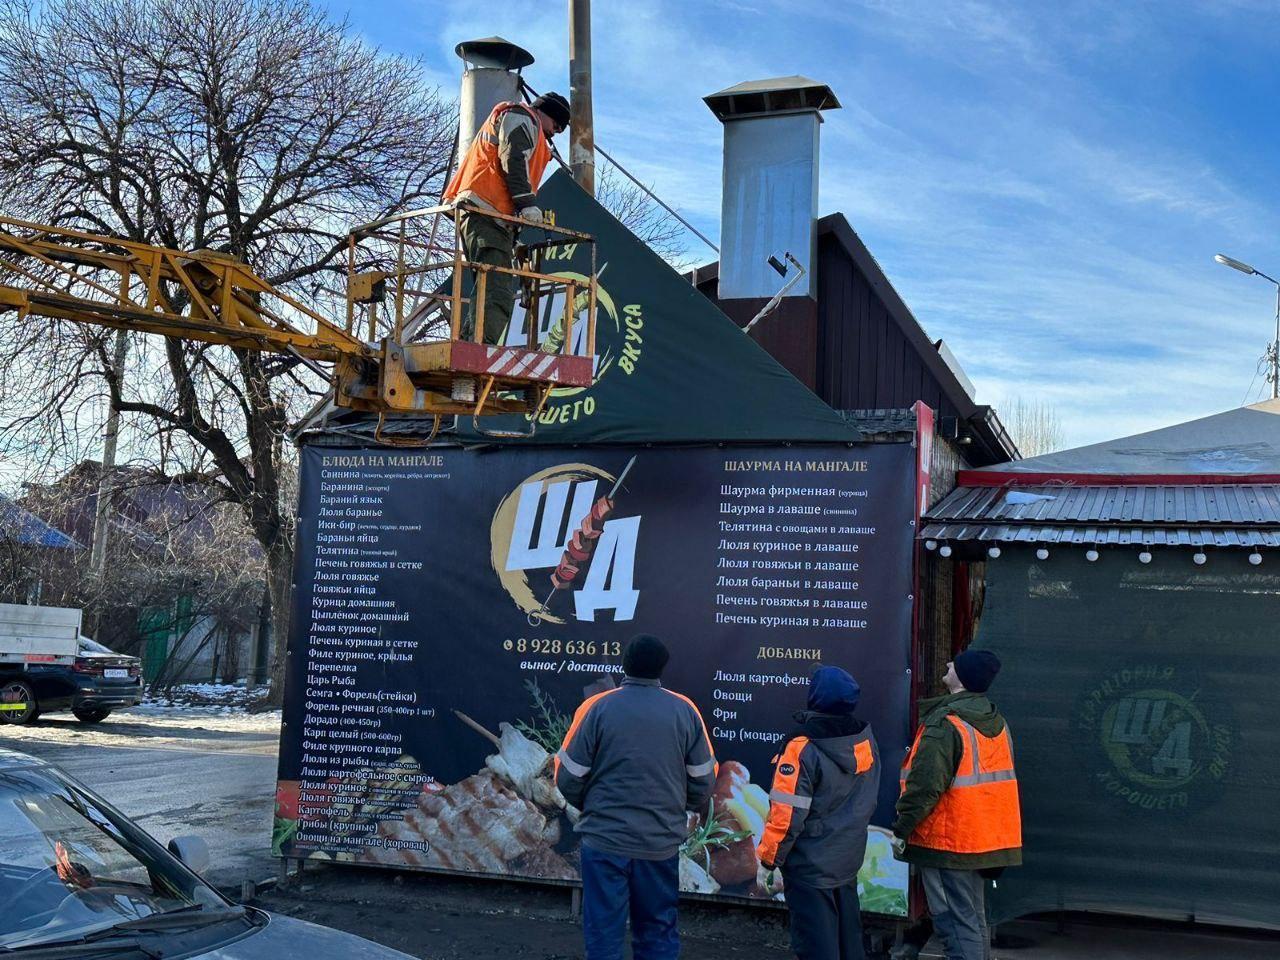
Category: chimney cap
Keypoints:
(494, 52)
(794, 94)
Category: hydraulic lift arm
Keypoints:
(70, 275)
(212, 297)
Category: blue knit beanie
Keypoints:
(832, 690)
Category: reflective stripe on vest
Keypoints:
(979, 812)
(784, 799)
(981, 776)
(480, 173)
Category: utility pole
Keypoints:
(110, 437)
(582, 136)
(1273, 350)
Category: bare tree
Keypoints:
(636, 211)
(1034, 425)
(31, 558)
(178, 553)
(260, 128)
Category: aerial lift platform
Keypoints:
(400, 349)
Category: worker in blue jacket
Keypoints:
(825, 784)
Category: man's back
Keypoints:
(634, 761)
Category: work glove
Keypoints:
(899, 847)
(768, 879)
(531, 214)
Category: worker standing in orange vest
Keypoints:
(500, 174)
(958, 818)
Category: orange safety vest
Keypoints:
(481, 169)
(979, 812)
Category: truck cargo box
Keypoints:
(38, 634)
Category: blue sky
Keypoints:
(1044, 183)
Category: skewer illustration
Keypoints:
(581, 545)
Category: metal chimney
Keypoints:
(769, 205)
(490, 76)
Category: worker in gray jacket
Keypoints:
(636, 759)
(825, 783)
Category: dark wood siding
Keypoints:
(864, 358)
(862, 348)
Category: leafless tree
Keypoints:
(28, 562)
(178, 553)
(636, 211)
(1034, 425)
(260, 128)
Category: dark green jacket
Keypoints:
(932, 771)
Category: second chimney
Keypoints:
(769, 208)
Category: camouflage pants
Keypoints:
(491, 242)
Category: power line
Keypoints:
(1249, 389)
(630, 176)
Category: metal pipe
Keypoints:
(582, 137)
(772, 305)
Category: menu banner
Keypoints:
(452, 608)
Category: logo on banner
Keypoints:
(1165, 745)
(619, 337)
(561, 552)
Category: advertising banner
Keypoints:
(453, 608)
(1140, 702)
(669, 365)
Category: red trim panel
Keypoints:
(517, 363)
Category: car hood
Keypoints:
(287, 937)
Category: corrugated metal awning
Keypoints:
(1227, 515)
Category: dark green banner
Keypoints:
(671, 366)
(1141, 700)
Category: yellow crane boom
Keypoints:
(212, 297)
(129, 286)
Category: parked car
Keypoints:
(79, 880)
(93, 684)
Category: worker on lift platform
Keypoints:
(501, 173)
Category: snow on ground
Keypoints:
(203, 727)
(205, 700)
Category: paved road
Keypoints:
(212, 774)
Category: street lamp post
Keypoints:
(1273, 351)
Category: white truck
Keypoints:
(46, 665)
(38, 634)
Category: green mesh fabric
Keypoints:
(1142, 701)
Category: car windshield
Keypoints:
(70, 866)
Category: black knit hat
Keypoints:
(644, 657)
(976, 669)
(554, 106)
